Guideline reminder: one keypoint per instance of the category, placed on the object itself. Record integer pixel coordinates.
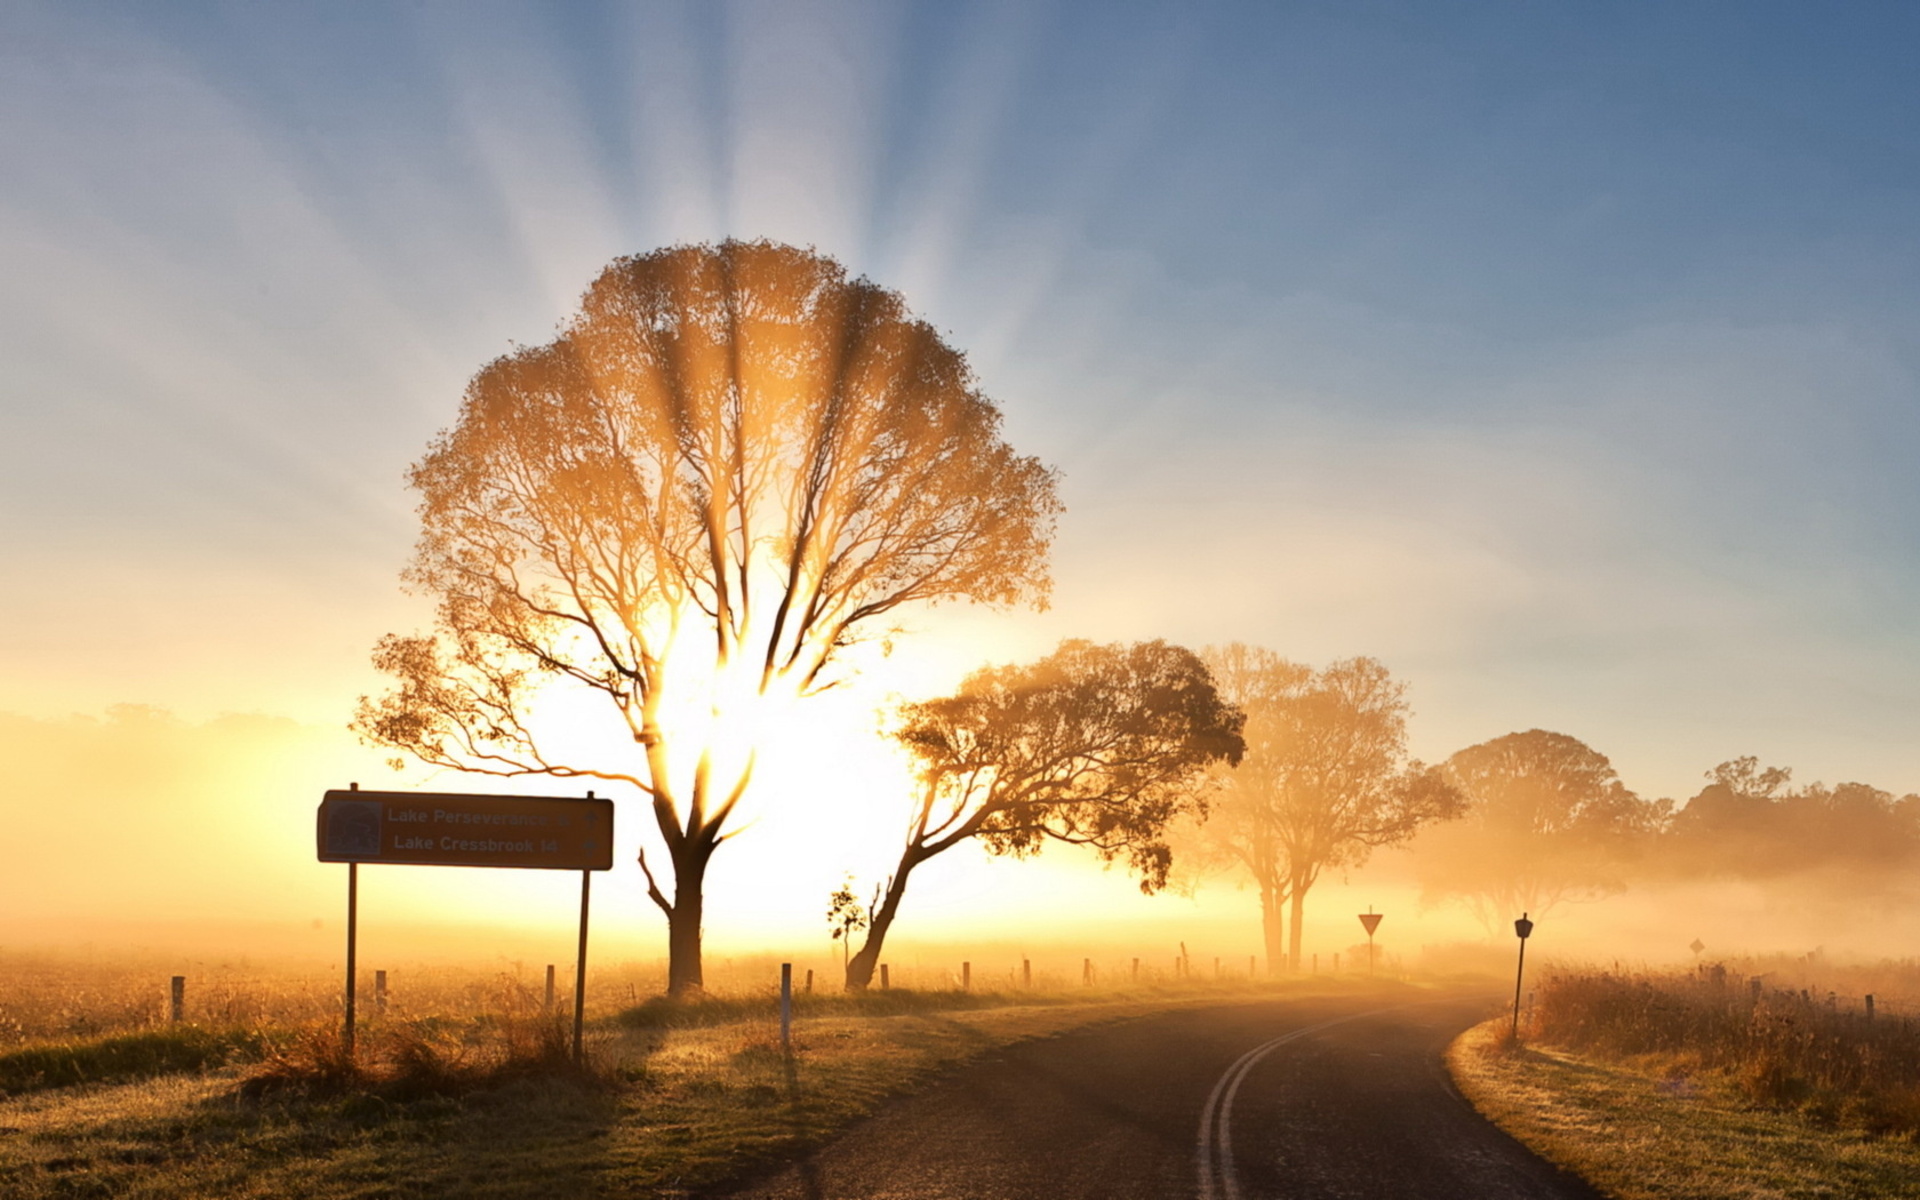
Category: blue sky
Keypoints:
(1562, 356)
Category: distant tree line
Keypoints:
(1549, 821)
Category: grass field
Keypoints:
(675, 1098)
(1699, 1087)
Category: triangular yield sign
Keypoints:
(1371, 920)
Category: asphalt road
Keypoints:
(1306, 1098)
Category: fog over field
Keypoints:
(1561, 363)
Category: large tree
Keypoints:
(1549, 821)
(1326, 779)
(728, 467)
(1093, 745)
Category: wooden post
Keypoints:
(177, 1000)
(1316, 964)
(1869, 1006)
(1026, 972)
(1086, 972)
(1136, 970)
(809, 981)
(966, 976)
(1216, 966)
(549, 1004)
(786, 1008)
(1336, 962)
(885, 982)
(380, 991)
(1252, 971)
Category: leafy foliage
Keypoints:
(1748, 823)
(1326, 778)
(728, 465)
(1093, 745)
(1549, 821)
(1096, 745)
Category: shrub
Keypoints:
(1778, 1048)
(410, 1060)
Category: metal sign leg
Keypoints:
(353, 932)
(580, 968)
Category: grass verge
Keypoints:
(675, 1103)
(1650, 1134)
(125, 1057)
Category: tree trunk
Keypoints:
(1272, 930)
(684, 973)
(861, 966)
(1298, 904)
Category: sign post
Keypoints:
(353, 944)
(450, 829)
(1524, 929)
(580, 966)
(1371, 920)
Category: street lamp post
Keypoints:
(1524, 928)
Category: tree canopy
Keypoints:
(1548, 821)
(1093, 745)
(1326, 779)
(729, 465)
(1749, 823)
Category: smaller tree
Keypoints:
(1093, 745)
(845, 916)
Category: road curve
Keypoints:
(1339, 1096)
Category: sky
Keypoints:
(1560, 356)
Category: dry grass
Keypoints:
(125, 1056)
(1643, 1134)
(676, 1099)
(1793, 1050)
(47, 997)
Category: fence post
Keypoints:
(1251, 971)
(549, 987)
(966, 976)
(177, 1000)
(885, 983)
(1026, 972)
(786, 1007)
(380, 991)
(1136, 970)
(1086, 972)
(1869, 1006)
(809, 981)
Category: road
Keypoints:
(1273, 1100)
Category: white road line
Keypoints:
(1215, 1151)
